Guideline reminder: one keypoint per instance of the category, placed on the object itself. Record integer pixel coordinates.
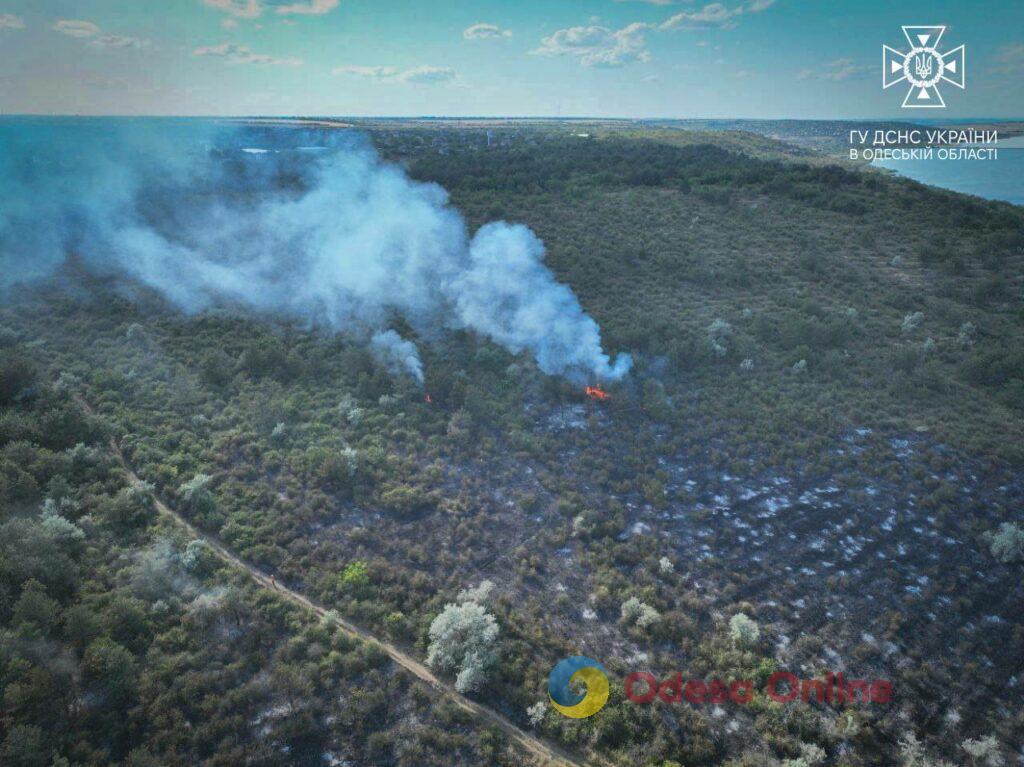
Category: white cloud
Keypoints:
(378, 73)
(308, 8)
(242, 9)
(10, 21)
(252, 9)
(419, 75)
(597, 46)
(229, 23)
(86, 30)
(118, 42)
(836, 71)
(427, 75)
(710, 16)
(240, 54)
(485, 32)
(714, 16)
(76, 28)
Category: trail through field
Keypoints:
(546, 754)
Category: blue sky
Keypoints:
(615, 58)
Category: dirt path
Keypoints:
(544, 753)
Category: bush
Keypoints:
(537, 713)
(195, 495)
(17, 375)
(744, 631)
(911, 322)
(635, 612)
(355, 577)
(984, 751)
(719, 333)
(1007, 545)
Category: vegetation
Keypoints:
(813, 466)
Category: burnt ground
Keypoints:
(861, 573)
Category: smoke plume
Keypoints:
(310, 225)
(397, 354)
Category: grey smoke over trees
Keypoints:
(305, 225)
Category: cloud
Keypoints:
(252, 9)
(241, 54)
(419, 75)
(485, 32)
(229, 23)
(597, 46)
(242, 9)
(76, 28)
(118, 43)
(714, 16)
(836, 71)
(710, 16)
(308, 8)
(427, 75)
(86, 30)
(8, 21)
(376, 73)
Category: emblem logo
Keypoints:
(923, 67)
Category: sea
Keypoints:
(999, 179)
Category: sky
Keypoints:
(595, 58)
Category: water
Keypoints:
(1001, 179)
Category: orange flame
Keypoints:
(596, 392)
(427, 398)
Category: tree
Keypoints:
(25, 747)
(17, 375)
(110, 668)
(35, 608)
(984, 751)
(462, 640)
(1007, 545)
(28, 550)
(125, 511)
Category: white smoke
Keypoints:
(333, 235)
(397, 355)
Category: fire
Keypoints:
(596, 392)
(428, 399)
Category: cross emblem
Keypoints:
(923, 67)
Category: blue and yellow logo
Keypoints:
(582, 670)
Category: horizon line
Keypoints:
(553, 118)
